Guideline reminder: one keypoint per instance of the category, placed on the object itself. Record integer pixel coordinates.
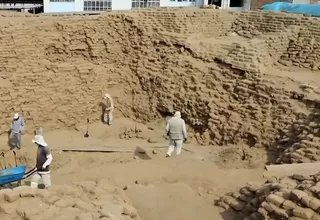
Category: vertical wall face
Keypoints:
(54, 70)
(175, 3)
(121, 4)
(79, 5)
(62, 7)
(46, 8)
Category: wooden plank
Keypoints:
(183, 148)
(292, 166)
(102, 150)
(290, 169)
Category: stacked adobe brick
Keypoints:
(293, 198)
(300, 141)
(82, 201)
(302, 52)
(67, 65)
(300, 48)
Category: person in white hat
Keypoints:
(176, 130)
(44, 159)
(17, 128)
(108, 112)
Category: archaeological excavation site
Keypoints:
(246, 84)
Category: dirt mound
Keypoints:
(82, 201)
(296, 197)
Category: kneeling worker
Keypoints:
(176, 130)
(44, 159)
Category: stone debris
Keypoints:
(289, 198)
(84, 200)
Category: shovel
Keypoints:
(86, 135)
(15, 158)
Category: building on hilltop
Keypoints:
(54, 6)
(97, 6)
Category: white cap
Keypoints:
(177, 114)
(16, 115)
(106, 96)
(38, 139)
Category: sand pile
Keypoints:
(82, 201)
(294, 198)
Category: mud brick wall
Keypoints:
(302, 52)
(291, 39)
(266, 22)
(54, 70)
(246, 57)
(208, 22)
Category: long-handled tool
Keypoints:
(15, 158)
(86, 135)
(29, 173)
(4, 161)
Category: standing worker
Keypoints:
(17, 128)
(108, 112)
(177, 132)
(44, 159)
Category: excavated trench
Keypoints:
(232, 75)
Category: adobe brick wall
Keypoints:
(299, 36)
(54, 70)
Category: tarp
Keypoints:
(311, 9)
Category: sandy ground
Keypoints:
(174, 188)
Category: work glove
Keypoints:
(185, 140)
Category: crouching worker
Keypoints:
(44, 159)
(176, 130)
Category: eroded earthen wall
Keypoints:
(54, 70)
(300, 34)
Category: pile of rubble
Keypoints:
(300, 141)
(81, 201)
(294, 198)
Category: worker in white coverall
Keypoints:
(108, 112)
(176, 130)
(44, 159)
(17, 128)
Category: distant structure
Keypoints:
(98, 6)
(33, 6)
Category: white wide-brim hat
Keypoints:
(38, 139)
(106, 96)
(16, 115)
(177, 114)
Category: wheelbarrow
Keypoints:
(14, 174)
